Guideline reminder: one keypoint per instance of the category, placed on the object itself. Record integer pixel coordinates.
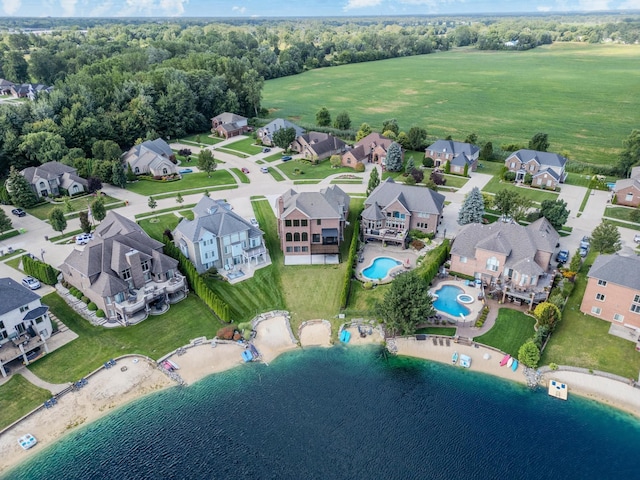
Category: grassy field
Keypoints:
(188, 182)
(309, 171)
(154, 337)
(78, 204)
(246, 145)
(583, 341)
(235, 153)
(241, 175)
(448, 331)
(620, 213)
(202, 139)
(276, 175)
(18, 397)
(512, 329)
(567, 90)
(537, 195)
(156, 225)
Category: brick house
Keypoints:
(627, 190)
(370, 149)
(265, 134)
(311, 225)
(508, 258)
(153, 157)
(458, 154)
(393, 209)
(613, 290)
(546, 168)
(54, 179)
(229, 125)
(316, 146)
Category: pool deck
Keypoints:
(475, 307)
(375, 250)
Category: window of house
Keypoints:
(596, 310)
(602, 283)
(119, 297)
(303, 223)
(463, 259)
(636, 299)
(600, 297)
(296, 249)
(316, 238)
(296, 237)
(493, 264)
(618, 318)
(548, 183)
(296, 223)
(287, 223)
(513, 165)
(137, 170)
(629, 197)
(165, 171)
(289, 249)
(24, 308)
(126, 274)
(635, 306)
(319, 221)
(539, 182)
(305, 237)
(532, 167)
(145, 265)
(288, 237)
(305, 249)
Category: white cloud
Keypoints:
(103, 9)
(588, 5)
(630, 5)
(239, 10)
(543, 8)
(354, 4)
(173, 8)
(11, 6)
(68, 7)
(170, 8)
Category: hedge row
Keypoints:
(430, 266)
(197, 284)
(353, 250)
(40, 270)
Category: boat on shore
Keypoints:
(504, 360)
(514, 367)
(465, 361)
(27, 441)
(510, 362)
(174, 365)
(454, 358)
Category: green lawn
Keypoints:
(203, 139)
(197, 190)
(567, 90)
(512, 329)
(188, 182)
(537, 195)
(273, 158)
(232, 152)
(362, 302)
(583, 341)
(154, 337)
(246, 145)
(448, 331)
(309, 171)
(309, 182)
(81, 203)
(490, 168)
(276, 175)
(241, 175)
(162, 210)
(157, 224)
(620, 213)
(18, 397)
(188, 214)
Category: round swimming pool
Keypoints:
(447, 301)
(380, 267)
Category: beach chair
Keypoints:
(448, 342)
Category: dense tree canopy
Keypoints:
(555, 211)
(605, 238)
(539, 142)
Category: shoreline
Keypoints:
(111, 389)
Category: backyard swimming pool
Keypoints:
(447, 301)
(380, 267)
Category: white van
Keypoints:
(264, 169)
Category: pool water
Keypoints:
(447, 301)
(380, 267)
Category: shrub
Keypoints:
(417, 244)
(509, 176)
(427, 162)
(84, 299)
(359, 167)
(557, 299)
(410, 180)
(346, 281)
(100, 313)
(367, 285)
(553, 366)
(92, 307)
(226, 333)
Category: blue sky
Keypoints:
(280, 8)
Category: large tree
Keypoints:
(374, 181)
(555, 211)
(391, 126)
(364, 130)
(98, 209)
(529, 354)
(106, 150)
(547, 314)
(539, 142)
(323, 117)
(118, 176)
(57, 219)
(206, 162)
(284, 137)
(19, 190)
(630, 155)
(405, 305)
(394, 157)
(472, 209)
(605, 238)
(342, 121)
(43, 147)
(504, 201)
(5, 222)
(15, 67)
(416, 138)
(85, 224)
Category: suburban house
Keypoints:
(5, 87)
(219, 238)
(124, 272)
(509, 259)
(393, 209)
(29, 90)
(153, 157)
(546, 168)
(627, 190)
(24, 323)
(316, 146)
(265, 134)
(54, 179)
(458, 154)
(370, 149)
(229, 125)
(613, 290)
(311, 225)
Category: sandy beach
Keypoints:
(316, 333)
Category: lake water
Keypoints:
(347, 413)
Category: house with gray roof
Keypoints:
(317, 146)
(5, 86)
(627, 190)
(509, 259)
(265, 134)
(24, 323)
(153, 157)
(613, 290)
(546, 168)
(229, 125)
(54, 179)
(125, 272)
(370, 149)
(393, 209)
(458, 154)
(219, 238)
(311, 225)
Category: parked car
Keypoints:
(31, 283)
(286, 158)
(264, 169)
(636, 238)
(245, 170)
(83, 238)
(266, 150)
(33, 353)
(563, 256)
(584, 251)
(585, 242)
(254, 222)
(18, 212)
(185, 170)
